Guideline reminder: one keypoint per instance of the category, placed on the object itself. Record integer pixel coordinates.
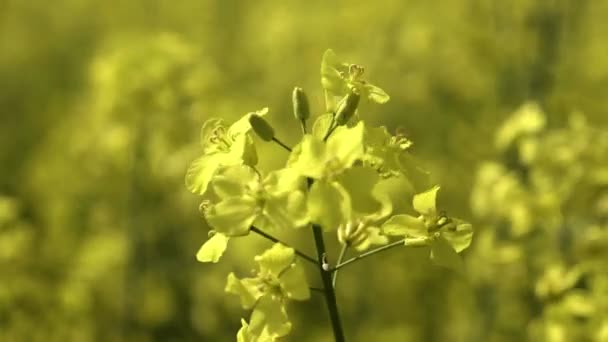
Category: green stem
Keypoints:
(331, 127)
(303, 126)
(281, 144)
(370, 253)
(273, 239)
(328, 289)
(340, 259)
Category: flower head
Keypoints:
(447, 236)
(339, 79)
(222, 146)
(279, 278)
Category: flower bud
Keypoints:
(261, 127)
(301, 110)
(346, 108)
(352, 233)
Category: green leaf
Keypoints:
(405, 225)
(309, 157)
(426, 202)
(232, 181)
(459, 234)
(293, 283)
(232, 216)
(328, 205)
(212, 249)
(269, 317)
(202, 169)
(247, 289)
(444, 255)
(346, 144)
(275, 259)
(321, 125)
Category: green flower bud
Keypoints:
(261, 127)
(346, 108)
(301, 110)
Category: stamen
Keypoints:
(227, 143)
(219, 130)
(355, 71)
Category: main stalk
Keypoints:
(328, 289)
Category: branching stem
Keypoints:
(273, 239)
(370, 253)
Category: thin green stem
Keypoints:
(340, 259)
(257, 172)
(281, 144)
(303, 126)
(273, 239)
(370, 253)
(331, 127)
(328, 289)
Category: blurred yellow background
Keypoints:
(101, 103)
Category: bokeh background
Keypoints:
(101, 103)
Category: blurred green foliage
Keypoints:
(101, 105)
(543, 211)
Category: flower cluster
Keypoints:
(334, 179)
